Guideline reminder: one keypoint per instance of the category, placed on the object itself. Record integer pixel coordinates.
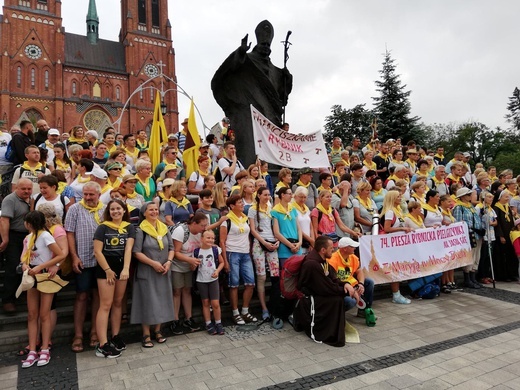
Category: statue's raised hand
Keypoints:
(244, 46)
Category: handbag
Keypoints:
(265, 248)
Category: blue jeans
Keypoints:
(368, 295)
(240, 267)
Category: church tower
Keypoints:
(92, 23)
(146, 36)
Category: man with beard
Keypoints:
(320, 313)
(41, 134)
(22, 140)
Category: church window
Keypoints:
(118, 93)
(155, 13)
(96, 90)
(46, 80)
(74, 88)
(19, 76)
(33, 78)
(141, 92)
(141, 4)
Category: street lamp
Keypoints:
(164, 108)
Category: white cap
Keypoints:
(346, 241)
(99, 173)
(53, 132)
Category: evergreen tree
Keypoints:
(347, 124)
(513, 117)
(392, 106)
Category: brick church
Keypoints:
(69, 79)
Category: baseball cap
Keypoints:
(99, 173)
(53, 132)
(304, 171)
(226, 120)
(204, 145)
(346, 241)
(172, 136)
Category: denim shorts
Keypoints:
(240, 268)
(86, 280)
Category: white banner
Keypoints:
(276, 146)
(395, 257)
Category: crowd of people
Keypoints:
(95, 210)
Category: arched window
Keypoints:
(155, 13)
(46, 80)
(96, 90)
(118, 93)
(141, 4)
(33, 78)
(141, 92)
(74, 88)
(19, 76)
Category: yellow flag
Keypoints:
(191, 149)
(158, 136)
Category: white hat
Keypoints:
(466, 154)
(27, 283)
(346, 241)
(463, 191)
(53, 132)
(99, 173)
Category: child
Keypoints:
(515, 235)
(211, 263)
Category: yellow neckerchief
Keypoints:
(467, 205)
(124, 172)
(266, 211)
(130, 208)
(203, 173)
(398, 212)
(77, 140)
(239, 220)
(53, 228)
(347, 163)
(327, 212)
(132, 154)
(30, 244)
(335, 151)
(111, 149)
(303, 209)
(279, 185)
(426, 206)
(33, 170)
(366, 204)
(282, 210)
(448, 214)
(93, 210)
(121, 228)
(434, 179)
(385, 157)
(181, 203)
(416, 221)
(114, 184)
(142, 145)
(411, 163)
(107, 187)
(418, 199)
(160, 194)
(146, 185)
(514, 234)
(158, 233)
(453, 177)
(372, 165)
(132, 195)
(61, 187)
(300, 184)
(439, 156)
(505, 209)
(493, 179)
(321, 188)
(49, 145)
(234, 189)
(513, 194)
(61, 165)
(394, 178)
(378, 192)
(82, 179)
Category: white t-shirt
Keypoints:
(207, 265)
(199, 179)
(60, 209)
(187, 248)
(432, 218)
(225, 163)
(389, 216)
(237, 241)
(5, 138)
(42, 254)
(264, 221)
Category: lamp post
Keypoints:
(162, 92)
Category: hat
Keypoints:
(204, 145)
(185, 121)
(113, 165)
(129, 177)
(226, 120)
(466, 154)
(172, 136)
(46, 285)
(517, 222)
(410, 151)
(53, 132)
(168, 182)
(99, 173)
(168, 168)
(92, 133)
(305, 170)
(346, 241)
(27, 283)
(463, 191)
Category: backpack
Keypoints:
(289, 277)
(218, 172)
(382, 223)
(9, 152)
(429, 291)
(62, 199)
(215, 255)
(184, 227)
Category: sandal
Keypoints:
(77, 344)
(159, 337)
(238, 320)
(23, 352)
(146, 341)
(249, 318)
(32, 358)
(45, 357)
(94, 341)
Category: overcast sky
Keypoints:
(459, 58)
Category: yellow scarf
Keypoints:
(300, 184)
(157, 233)
(411, 163)
(394, 178)
(366, 204)
(266, 211)
(327, 212)
(335, 151)
(145, 184)
(454, 178)
(418, 199)
(437, 182)
(505, 209)
(514, 234)
(77, 140)
(49, 145)
(114, 184)
(142, 145)
(513, 194)
(346, 162)
(321, 188)
(112, 148)
(132, 195)
(182, 203)
(416, 221)
(282, 210)
(493, 179)
(93, 210)
(426, 206)
(121, 228)
(398, 213)
(385, 157)
(439, 156)
(132, 154)
(33, 170)
(30, 244)
(378, 192)
(279, 185)
(447, 213)
(160, 194)
(303, 209)
(61, 187)
(203, 173)
(82, 179)
(106, 188)
(467, 205)
(63, 166)
(239, 220)
(372, 165)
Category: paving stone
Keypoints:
(136, 372)
(175, 372)
(497, 377)
(431, 384)
(473, 384)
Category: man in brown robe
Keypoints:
(324, 293)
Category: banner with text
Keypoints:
(395, 257)
(276, 146)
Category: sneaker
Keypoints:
(361, 313)
(220, 328)
(107, 351)
(211, 329)
(265, 315)
(191, 324)
(118, 343)
(176, 327)
(400, 300)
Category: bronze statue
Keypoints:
(250, 78)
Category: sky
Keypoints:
(457, 57)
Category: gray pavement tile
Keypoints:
(284, 376)
(431, 384)
(187, 381)
(101, 372)
(293, 355)
(149, 361)
(514, 384)
(7, 369)
(250, 384)
(210, 365)
(429, 373)
(403, 369)
(267, 370)
(8, 375)
(461, 375)
(488, 365)
(162, 385)
(227, 380)
(131, 356)
(174, 373)
(403, 381)
(380, 386)
(136, 373)
(231, 360)
(498, 376)
(210, 356)
(454, 364)
(315, 368)
(250, 365)
(119, 385)
(376, 377)
(223, 371)
(473, 384)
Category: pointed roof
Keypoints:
(92, 11)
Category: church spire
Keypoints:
(92, 23)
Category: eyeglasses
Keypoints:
(115, 169)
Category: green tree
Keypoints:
(348, 124)
(513, 116)
(392, 106)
